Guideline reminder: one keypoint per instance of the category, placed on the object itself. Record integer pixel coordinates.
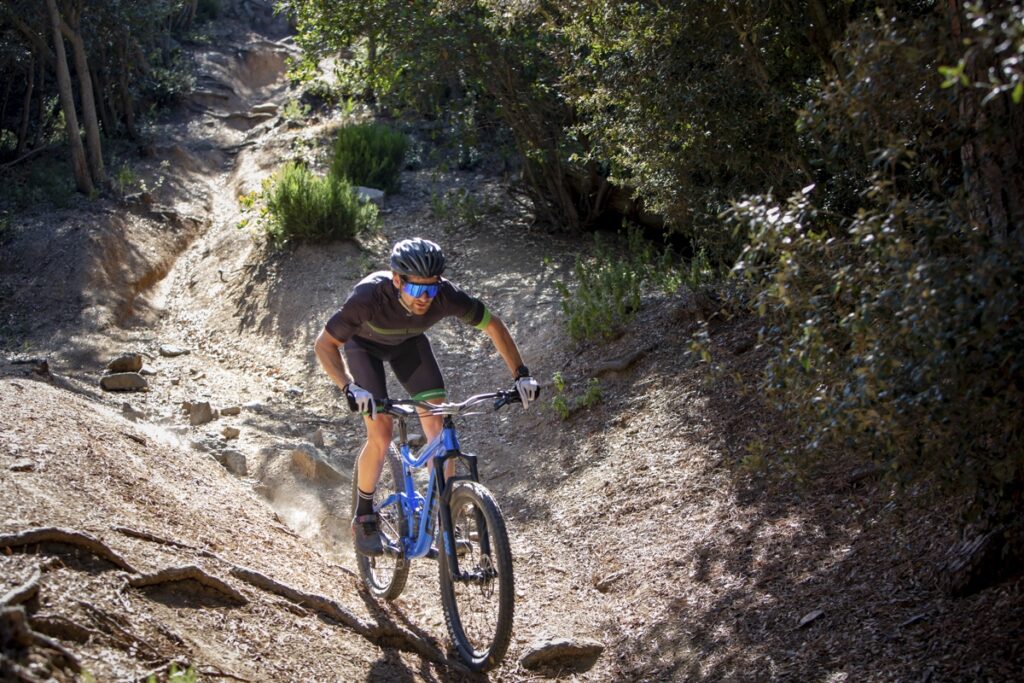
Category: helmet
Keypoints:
(417, 257)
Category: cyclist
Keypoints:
(384, 319)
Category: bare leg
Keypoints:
(432, 426)
(371, 458)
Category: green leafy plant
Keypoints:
(294, 110)
(607, 287)
(564, 405)
(297, 204)
(369, 154)
(457, 207)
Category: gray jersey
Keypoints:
(373, 311)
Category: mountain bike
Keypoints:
(473, 554)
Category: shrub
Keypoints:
(609, 285)
(301, 205)
(369, 154)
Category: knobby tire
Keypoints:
(478, 614)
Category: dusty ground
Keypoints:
(634, 522)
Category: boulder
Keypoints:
(310, 465)
(369, 194)
(200, 413)
(172, 351)
(123, 381)
(230, 432)
(126, 362)
(231, 410)
(233, 461)
(580, 654)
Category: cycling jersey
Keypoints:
(374, 312)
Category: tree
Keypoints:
(80, 166)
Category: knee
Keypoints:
(378, 431)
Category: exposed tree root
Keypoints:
(383, 635)
(22, 593)
(153, 538)
(15, 629)
(189, 572)
(68, 537)
(118, 634)
(56, 626)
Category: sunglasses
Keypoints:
(416, 291)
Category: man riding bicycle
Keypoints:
(384, 319)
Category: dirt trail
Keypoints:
(634, 522)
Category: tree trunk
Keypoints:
(79, 165)
(37, 137)
(127, 106)
(85, 91)
(993, 155)
(99, 87)
(26, 108)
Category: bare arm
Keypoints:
(328, 352)
(504, 343)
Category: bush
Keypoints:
(371, 155)
(894, 315)
(301, 205)
(609, 285)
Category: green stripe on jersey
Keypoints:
(411, 331)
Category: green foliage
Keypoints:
(296, 204)
(894, 314)
(176, 675)
(42, 182)
(371, 155)
(564, 405)
(607, 287)
(294, 110)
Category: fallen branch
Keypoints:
(184, 573)
(383, 635)
(70, 661)
(68, 537)
(28, 155)
(22, 593)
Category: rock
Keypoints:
(126, 362)
(306, 459)
(230, 432)
(293, 391)
(129, 411)
(265, 108)
(22, 466)
(39, 366)
(231, 410)
(810, 617)
(200, 413)
(318, 437)
(123, 381)
(148, 371)
(200, 445)
(233, 461)
(369, 194)
(254, 406)
(580, 653)
(172, 351)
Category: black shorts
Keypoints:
(412, 361)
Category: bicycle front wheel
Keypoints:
(385, 576)
(478, 600)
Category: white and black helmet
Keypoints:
(417, 257)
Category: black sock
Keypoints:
(365, 504)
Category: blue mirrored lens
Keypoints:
(417, 291)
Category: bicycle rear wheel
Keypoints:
(479, 601)
(385, 576)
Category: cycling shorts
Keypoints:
(412, 361)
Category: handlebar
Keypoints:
(399, 407)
